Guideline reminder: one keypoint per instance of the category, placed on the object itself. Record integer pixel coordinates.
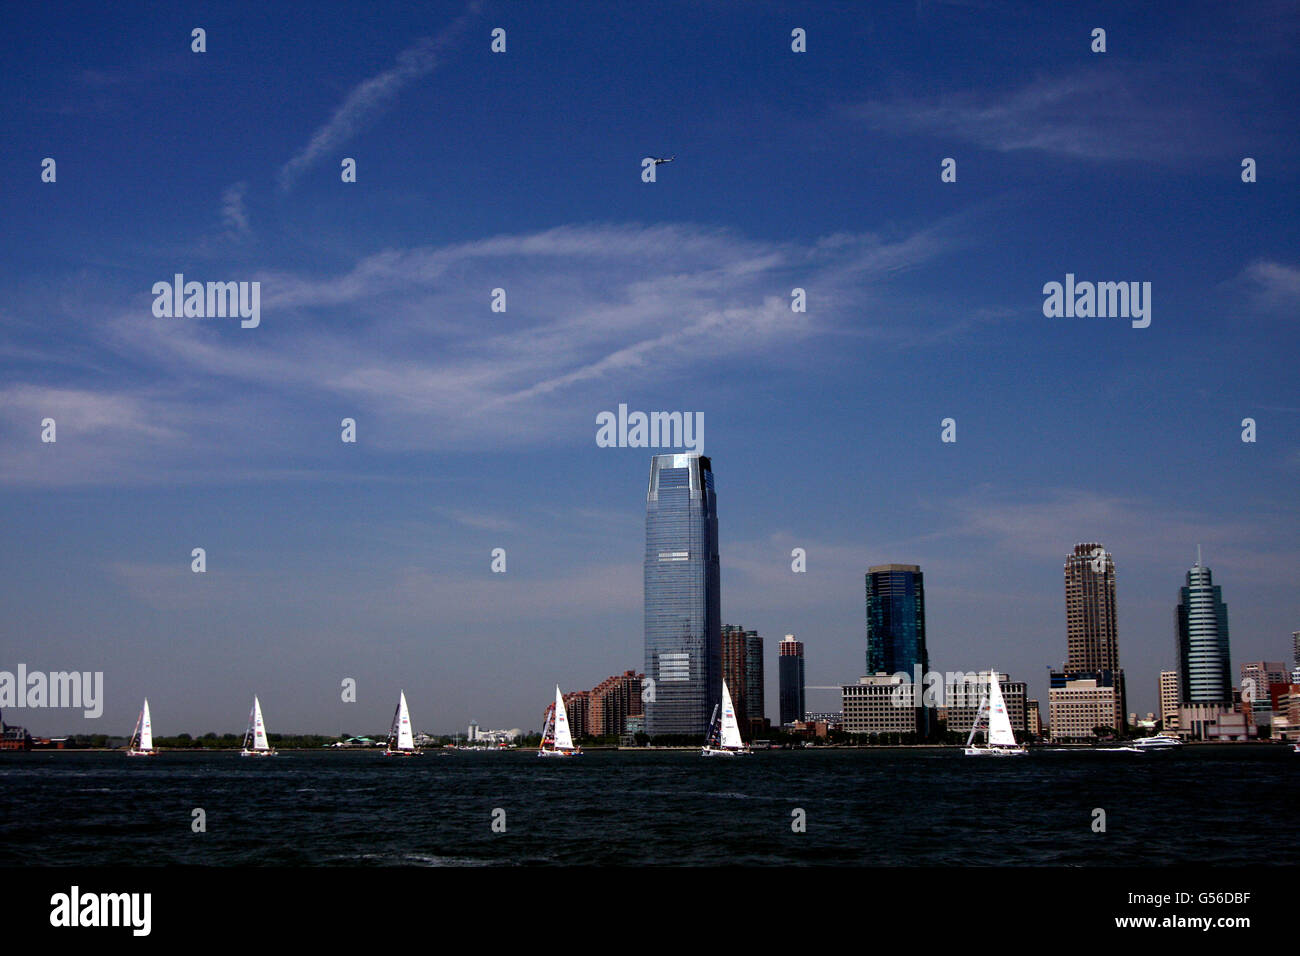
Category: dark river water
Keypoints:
(1204, 805)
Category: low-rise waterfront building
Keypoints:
(1212, 721)
(1285, 700)
(880, 704)
(1078, 703)
(1169, 697)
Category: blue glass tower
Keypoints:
(896, 620)
(1204, 671)
(683, 605)
(896, 627)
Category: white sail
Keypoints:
(730, 727)
(259, 728)
(404, 739)
(146, 728)
(563, 738)
(1000, 733)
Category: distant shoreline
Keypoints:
(614, 748)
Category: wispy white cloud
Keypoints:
(1132, 526)
(1101, 113)
(408, 334)
(1272, 285)
(371, 96)
(559, 590)
(405, 341)
(103, 435)
(234, 214)
(83, 412)
(989, 528)
(175, 586)
(476, 521)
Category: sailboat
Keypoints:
(993, 712)
(400, 733)
(256, 733)
(557, 740)
(724, 738)
(141, 744)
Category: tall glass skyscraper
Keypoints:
(683, 619)
(1202, 620)
(896, 627)
(896, 620)
(791, 676)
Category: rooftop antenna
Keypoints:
(1198, 555)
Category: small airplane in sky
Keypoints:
(659, 162)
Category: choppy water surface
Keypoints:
(1215, 805)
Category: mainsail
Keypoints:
(1000, 733)
(730, 727)
(563, 738)
(402, 726)
(146, 728)
(257, 727)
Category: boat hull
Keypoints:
(996, 751)
(257, 753)
(142, 753)
(559, 753)
(723, 752)
(403, 753)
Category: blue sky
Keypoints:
(477, 429)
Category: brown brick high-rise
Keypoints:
(1091, 634)
(742, 669)
(578, 706)
(613, 701)
(1089, 691)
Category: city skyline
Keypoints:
(1087, 634)
(477, 417)
(1081, 629)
